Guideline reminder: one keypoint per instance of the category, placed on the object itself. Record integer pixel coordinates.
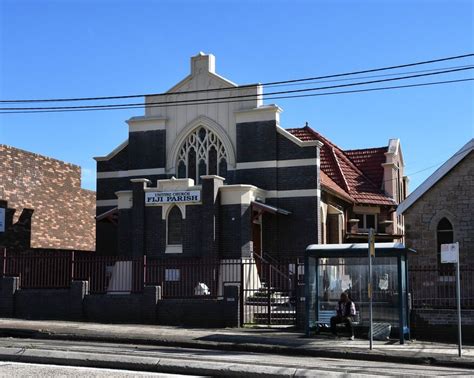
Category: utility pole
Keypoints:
(369, 283)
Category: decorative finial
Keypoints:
(306, 124)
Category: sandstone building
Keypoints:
(441, 210)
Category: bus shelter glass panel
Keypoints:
(404, 308)
(312, 292)
(350, 274)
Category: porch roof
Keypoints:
(269, 209)
(107, 214)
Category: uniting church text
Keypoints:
(158, 198)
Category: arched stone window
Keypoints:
(174, 227)
(444, 235)
(202, 153)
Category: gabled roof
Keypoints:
(369, 161)
(209, 62)
(436, 176)
(345, 174)
(114, 152)
(328, 184)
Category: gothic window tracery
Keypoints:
(202, 153)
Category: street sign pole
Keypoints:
(449, 255)
(458, 299)
(371, 249)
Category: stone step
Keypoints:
(288, 319)
(263, 301)
(276, 314)
(264, 292)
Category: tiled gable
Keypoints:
(349, 175)
(369, 161)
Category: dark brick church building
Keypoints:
(223, 179)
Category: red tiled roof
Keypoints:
(369, 161)
(344, 173)
(330, 185)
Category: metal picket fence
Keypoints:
(435, 287)
(268, 286)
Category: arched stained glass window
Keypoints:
(223, 168)
(175, 226)
(181, 170)
(190, 163)
(212, 161)
(202, 170)
(202, 153)
(444, 235)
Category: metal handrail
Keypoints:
(262, 259)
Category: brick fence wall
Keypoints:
(441, 325)
(147, 307)
(63, 212)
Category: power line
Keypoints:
(370, 77)
(247, 85)
(241, 100)
(252, 96)
(426, 168)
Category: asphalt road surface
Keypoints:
(15, 369)
(186, 361)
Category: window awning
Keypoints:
(269, 209)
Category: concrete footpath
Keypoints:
(258, 340)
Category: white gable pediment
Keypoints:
(203, 76)
(214, 109)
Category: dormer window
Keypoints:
(367, 221)
(202, 153)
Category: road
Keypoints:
(15, 369)
(189, 361)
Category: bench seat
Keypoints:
(324, 318)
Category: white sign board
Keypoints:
(159, 198)
(449, 253)
(2, 219)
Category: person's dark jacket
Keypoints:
(347, 310)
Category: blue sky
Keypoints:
(98, 48)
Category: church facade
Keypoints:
(208, 171)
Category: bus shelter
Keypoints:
(334, 268)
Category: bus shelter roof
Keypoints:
(356, 250)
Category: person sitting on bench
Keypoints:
(345, 311)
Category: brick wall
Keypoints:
(63, 212)
(210, 229)
(441, 325)
(147, 307)
(285, 236)
(235, 231)
(201, 312)
(451, 197)
(123, 308)
(144, 150)
(17, 235)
